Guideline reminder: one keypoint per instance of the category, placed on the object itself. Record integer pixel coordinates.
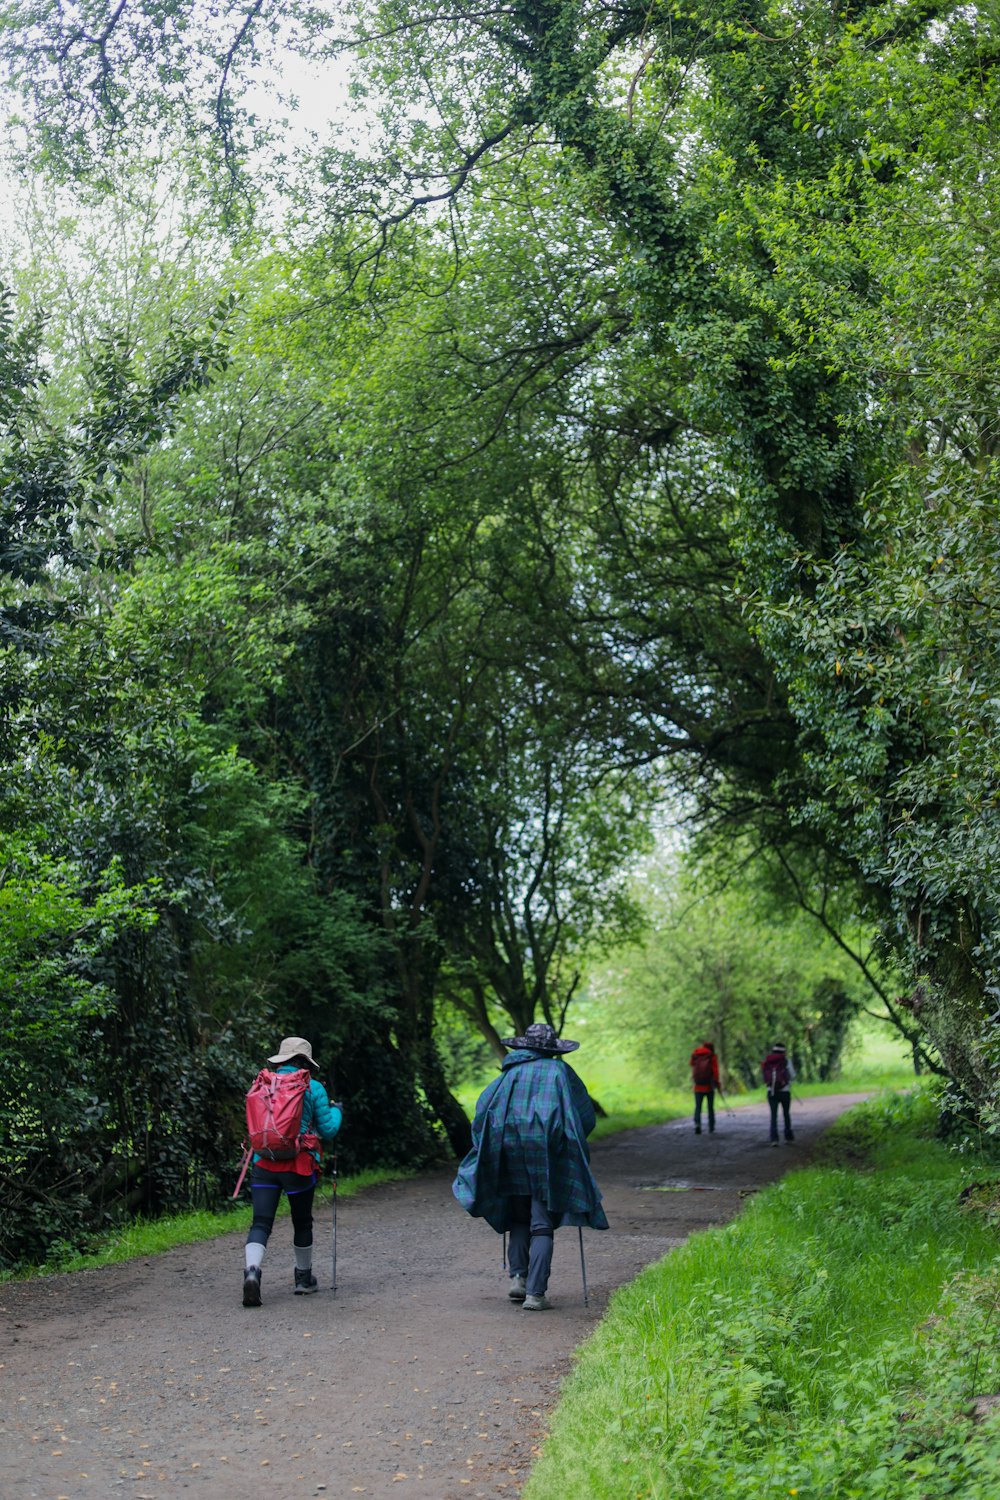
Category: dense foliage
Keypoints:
(727, 960)
(388, 526)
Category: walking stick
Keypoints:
(583, 1267)
(334, 1285)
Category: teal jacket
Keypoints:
(319, 1116)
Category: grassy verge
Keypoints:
(150, 1237)
(830, 1343)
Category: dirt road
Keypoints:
(419, 1379)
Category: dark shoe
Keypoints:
(789, 1136)
(774, 1143)
(697, 1130)
(305, 1282)
(251, 1286)
(517, 1290)
(536, 1304)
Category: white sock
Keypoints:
(254, 1256)
(303, 1257)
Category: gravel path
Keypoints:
(419, 1379)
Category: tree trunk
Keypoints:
(442, 1101)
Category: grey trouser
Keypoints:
(530, 1253)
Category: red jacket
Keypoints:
(706, 1088)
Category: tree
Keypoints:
(770, 252)
(72, 911)
(550, 834)
(730, 958)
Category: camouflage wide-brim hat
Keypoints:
(540, 1037)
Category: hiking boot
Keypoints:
(774, 1143)
(305, 1282)
(789, 1136)
(536, 1304)
(697, 1130)
(251, 1286)
(516, 1290)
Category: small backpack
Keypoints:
(274, 1113)
(776, 1074)
(701, 1069)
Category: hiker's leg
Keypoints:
(772, 1100)
(300, 1204)
(540, 1253)
(520, 1236)
(698, 1098)
(786, 1109)
(265, 1197)
(710, 1101)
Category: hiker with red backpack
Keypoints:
(778, 1074)
(288, 1115)
(705, 1078)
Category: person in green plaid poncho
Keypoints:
(528, 1172)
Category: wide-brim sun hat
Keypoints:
(293, 1047)
(540, 1037)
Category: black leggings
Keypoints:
(709, 1099)
(266, 1189)
(782, 1097)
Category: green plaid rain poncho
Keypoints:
(529, 1136)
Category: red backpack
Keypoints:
(775, 1070)
(701, 1070)
(274, 1113)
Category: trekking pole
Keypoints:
(583, 1267)
(503, 1251)
(333, 1288)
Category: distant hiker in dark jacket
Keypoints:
(528, 1172)
(296, 1177)
(705, 1078)
(778, 1074)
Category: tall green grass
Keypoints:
(828, 1344)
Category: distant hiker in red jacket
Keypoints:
(705, 1077)
(778, 1074)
